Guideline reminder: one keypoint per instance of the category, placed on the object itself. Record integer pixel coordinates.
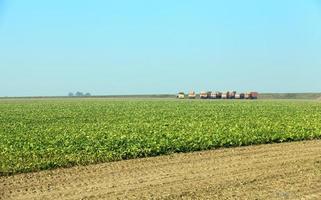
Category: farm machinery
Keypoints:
(219, 95)
(192, 95)
(181, 95)
(203, 95)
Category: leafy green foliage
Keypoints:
(45, 134)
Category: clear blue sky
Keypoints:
(143, 46)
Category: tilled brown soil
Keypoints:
(275, 171)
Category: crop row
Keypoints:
(45, 134)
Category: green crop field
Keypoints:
(45, 134)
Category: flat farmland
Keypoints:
(270, 171)
(45, 134)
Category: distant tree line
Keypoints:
(79, 94)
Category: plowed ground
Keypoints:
(274, 171)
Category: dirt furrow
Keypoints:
(274, 171)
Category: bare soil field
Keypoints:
(273, 171)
